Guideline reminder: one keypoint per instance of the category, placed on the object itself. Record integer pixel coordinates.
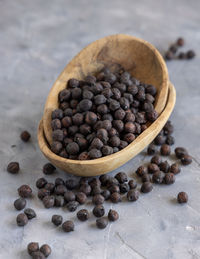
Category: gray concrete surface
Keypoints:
(37, 39)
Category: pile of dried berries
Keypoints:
(37, 252)
(101, 115)
(172, 51)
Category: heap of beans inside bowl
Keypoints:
(100, 115)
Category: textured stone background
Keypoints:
(37, 39)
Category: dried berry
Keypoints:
(22, 220)
(175, 168)
(152, 168)
(25, 191)
(69, 196)
(170, 140)
(32, 247)
(25, 136)
(48, 169)
(165, 150)
(38, 255)
(169, 178)
(156, 160)
(146, 178)
(182, 197)
(132, 184)
(159, 140)
(30, 213)
(105, 194)
(113, 215)
(48, 201)
(20, 204)
(141, 170)
(72, 148)
(101, 223)
(71, 184)
(41, 182)
(46, 250)
(115, 197)
(164, 166)
(133, 195)
(94, 153)
(42, 193)
(50, 187)
(68, 226)
(72, 205)
(60, 189)
(13, 167)
(59, 201)
(151, 150)
(180, 42)
(83, 215)
(121, 177)
(190, 54)
(57, 220)
(98, 199)
(157, 177)
(186, 160)
(81, 197)
(146, 187)
(180, 152)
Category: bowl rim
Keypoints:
(44, 145)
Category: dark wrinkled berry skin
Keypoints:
(180, 42)
(132, 184)
(98, 199)
(133, 195)
(25, 136)
(41, 182)
(156, 160)
(68, 226)
(169, 178)
(72, 205)
(101, 223)
(20, 204)
(121, 177)
(175, 168)
(98, 211)
(42, 193)
(106, 194)
(48, 201)
(157, 177)
(182, 197)
(46, 250)
(152, 168)
(146, 178)
(32, 247)
(113, 215)
(57, 220)
(22, 220)
(38, 255)
(146, 187)
(186, 160)
(151, 150)
(83, 215)
(25, 191)
(164, 166)
(165, 150)
(141, 170)
(180, 152)
(48, 169)
(115, 197)
(30, 213)
(13, 167)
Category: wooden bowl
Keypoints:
(137, 56)
(111, 162)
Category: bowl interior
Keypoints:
(137, 56)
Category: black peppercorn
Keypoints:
(25, 191)
(113, 215)
(182, 197)
(113, 188)
(42, 193)
(133, 195)
(101, 223)
(59, 201)
(50, 187)
(103, 179)
(25, 136)
(94, 153)
(57, 114)
(105, 194)
(20, 204)
(72, 83)
(83, 215)
(170, 140)
(22, 220)
(129, 137)
(180, 42)
(68, 226)
(13, 167)
(146, 187)
(71, 184)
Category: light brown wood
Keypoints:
(137, 56)
(111, 162)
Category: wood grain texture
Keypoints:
(137, 56)
(111, 162)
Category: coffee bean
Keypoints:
(46, 250)
(157, 177)
(25, 136)
(48, 201)
(72, 205)
(57, 220)
(133, 195)
(113, 215)
(48, 169)
(115, 197)
(32, 247)
(41, 182)
(22, 220)
(152, 168)
(83, 215)
(186, 160)
(165, 150)
(146, 187)
(38, 255)
(30, 213)
(13, 167)
(164, 166)
(121, 177)
(69, 196)
(182, 197)
(101, 223)
(141, 170)
(68, 226)
(132, 184)
(20, 204)
(169, 178)
(25, 191)
(175, 168)
(180, 152)
(81, 197)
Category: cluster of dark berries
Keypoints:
(101, 115)
(159, 171)
(37, 252)
(24, 191)
(172, 51)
